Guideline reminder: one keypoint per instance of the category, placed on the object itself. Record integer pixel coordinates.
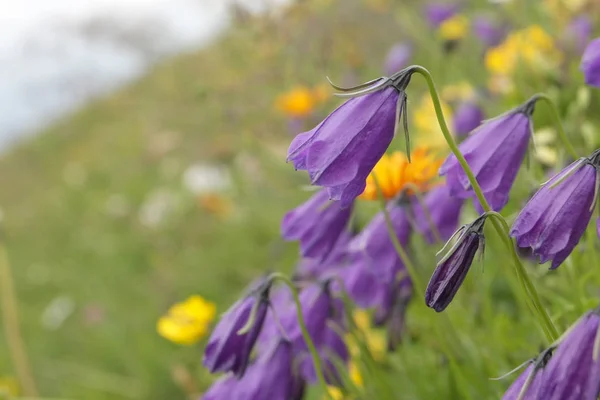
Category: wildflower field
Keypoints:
(341, 199)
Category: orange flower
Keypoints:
(395, 174)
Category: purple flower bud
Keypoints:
(556, 217)
(317, 224)
(467, 117)
(579, 32)
(494, 151)
(227, 348)
(373, 247)
(437, 13)
(590, 63)
(489, 32)
(269, 377)
(397, 58)
(342, 150)
(452, 269)
(573, 373)
(444, 211)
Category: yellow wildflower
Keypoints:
(8, 387)
(334, 393)
(355, 375)
(375, 338)
(187, 322)
(454, 28)
(297, 103)
(428, 129)
(394, 173)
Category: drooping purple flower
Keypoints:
(494, 151)
(373, 247)
(393, 312)
(365, 288)
(397, 58)
(271, 376)
(342, 150)
(310, 268)
(590, 63)
(228, 349)
(573, 373)
(437, 13)
(579, 32)
(332, 351)
(554, 220)
(467, 117)
(598, 226)
(317, 224)
(488, 31)
(443, 210)
(452, 269)
(221, 389)
(533, 376)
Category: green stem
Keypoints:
(559, 127)
(531, 292)
(302, 323)
(10, 320)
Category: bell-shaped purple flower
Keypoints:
(310, 268)
(436, 13)
(221, 388)
(397, 58)
(489, 32)
(373, 247)
(452, 269)
(271, 376)
(317, 224)
(494, 151)
(365, 288)
(341, 151)
(573, 373)
(579, 32)
(467, 117)
(393, 312)
(232, 340)
(443, 211)
(332, 351)
(527, 385)
(554, 220)
(590, 63)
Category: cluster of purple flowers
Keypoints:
(338, 155)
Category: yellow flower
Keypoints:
(428, 129)
(454, 28)
(532, 47)
(187, 322)
(334, 393)
(297, 103)
(8, 387)
(355, 375)
(394, 174)
(375, 338)
(457, 92)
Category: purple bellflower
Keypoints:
(232, 340)
(310, 268)
(317, 224)
(452, 269)
(444, 211)
(527, 385)
(579, 32)
(494, 151)
(467, 117)
(397, 58)
(332, 351)
(590, 63)
(437, 13)
(269, 377)
(374, 249)
(573, 373)
(342, 150)
(488, 31)
(554, 220)
(393, 312)
(221, 388)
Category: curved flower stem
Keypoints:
(316, 358)
(503, 231)
(559, 127)
(10, 320)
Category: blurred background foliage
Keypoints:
(176, 184)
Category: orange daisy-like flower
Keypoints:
(395, 174)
